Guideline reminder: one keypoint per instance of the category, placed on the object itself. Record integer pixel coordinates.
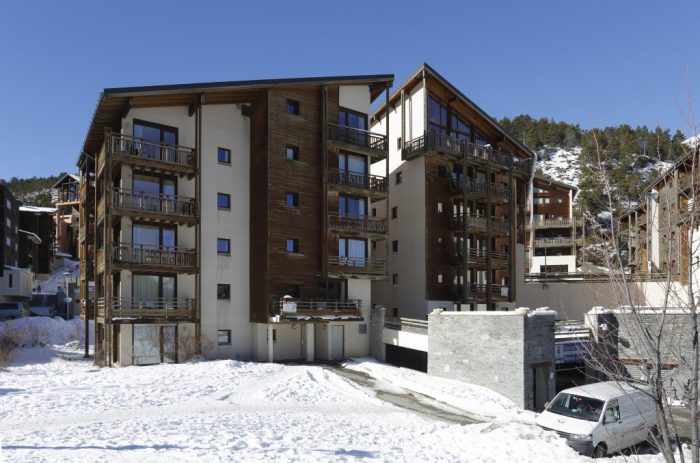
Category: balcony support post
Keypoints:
(309, 341)
(489, 233)
(270, 343)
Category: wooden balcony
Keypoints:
(358, 224)
(358, 140)
(554, 223)
(353, 182)
(475, 189)
(180, 160)
(477, 223)
(357, 267)
(479, 256)
(557, 242)
(315, 309)
(434, 142)
(481, 292)
(132, 203)
(137, 257)
(127, 309)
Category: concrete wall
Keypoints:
(377, 346)
(568, 260)
(497, 350)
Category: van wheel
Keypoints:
(600, 451)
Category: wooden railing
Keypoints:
(442, 143)
(555, 242)
(140, 308)
(482, 290)
(357, 265)
(497, 191)
(138, 201)
(479, 253)
(358, 137)
(368, 182)
(316, 307)
(554, 223)
(126, 145)
(498, 225)
(362, 223)
(159, 256)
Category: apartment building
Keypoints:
(232, 216)
(67, 202)
(37, 239)
(456, 211)
(9, 228)
(552, 234)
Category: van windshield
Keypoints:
(576, 406)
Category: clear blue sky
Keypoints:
(589, 62)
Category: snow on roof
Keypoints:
(32, 236)
(28, 208)
(603, 390)
(73, 177)
(63, 254)
(10, 267)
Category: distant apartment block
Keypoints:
(235, 216)
(37, 237)
(456, 211)
(67, 202)
(553, 234)
(9, 229)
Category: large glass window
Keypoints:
(350, 118)
(152, 236)
(352, 163)
(437, 116)
(146, 191)
(157, 134)
(459, 128)
(352, 206)
(352, 252)
(152, 287)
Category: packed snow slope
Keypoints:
(53, 409)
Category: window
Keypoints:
(8, 222)
(352, 206)
(399, 177)
(292, 200)
(292, 245)
(292, 290)
(395, 246)
(395, 279)
(224, 156)
(440, 278)
(374, 212)
(441, 242)
(395, 312)
(442, 171)
(293, 107)
(223, 291)
(560, 200)
(437, 116)
(223, 337)
(223, 201)
(292, 153)
(8, 203)
(362, 328)
(155, 134)
(349, 118)
(398, 143)
(352, 252)
(149, 288)
(9, 280)
(223, 246)
(394, 212)
(439, 207)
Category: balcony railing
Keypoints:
(362, 223)
(137, 201)
(499, 192)
(442, 143)
(175, 155)
(473, 253)
(157, 256)
(316, 308)
(373, 183)
(357, 265)
(357, 137)
(498, 225)
(556, 242)
(141, 308)
(554, 223)
(481, 291)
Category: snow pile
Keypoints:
(41, 331)
(692, 142)
(560, 164)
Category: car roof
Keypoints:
(604, 390)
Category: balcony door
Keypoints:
(352, 126)
(155, 134)
(155, 193)
(353, 170)
(352, 206)
(149, 236)
(352, 252)
(152, 288)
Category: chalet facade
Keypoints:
(459, 187)
(67, 203)
(233, 217)
(552, 234)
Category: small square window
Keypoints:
(395, 279)
(398, 143)
(223, 201)
(223, 291)
(292, 153)
(395, 312)
(442, 171)
(293, 107)
(399, 177)
(292, 200)
(223, 246)
(223, 337)
(440, 207)
(362, 328)
(292, 245)
(440, 278)
(394, 212)
(374, 212)
(395, 246)
(224, 156)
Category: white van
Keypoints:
(601, 418)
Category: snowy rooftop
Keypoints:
(38, 209)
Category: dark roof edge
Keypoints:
(156, 89)
(463, 97)
(556, 182)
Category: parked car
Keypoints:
(12, 310)
(601, 418)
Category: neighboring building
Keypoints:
(9, 228)
(456, 212)
(37, 230)
(67, 203)
(552, 248)
(233, 214)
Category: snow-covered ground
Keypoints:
(55, 409)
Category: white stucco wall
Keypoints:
(355, 97)
(569, 261)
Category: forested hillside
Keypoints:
(629, 156)
(35, 191)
